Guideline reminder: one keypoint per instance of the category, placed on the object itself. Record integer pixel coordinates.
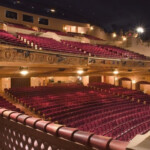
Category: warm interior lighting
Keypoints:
(124, 38)
(133, 81)
(116, 72)
(18, 1)
(53, 10)
(80, 71)
(24, 72)
(135, 35)
(65, 28)
(140, 30)
(91, 28)
(114, 35)
(116, 78)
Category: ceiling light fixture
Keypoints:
(140, 30)
(80, 71)
(53, 10)
(114, 35)
(24, 71)
(116, 72)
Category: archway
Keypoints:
(139, 83)
(125, 82)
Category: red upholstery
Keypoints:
(103, 111)
(84, 138)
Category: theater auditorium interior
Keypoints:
(74, 75)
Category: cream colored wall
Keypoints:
(85, 80)
(140, 47)
(109, 80)
(145, 88)
(5, 83)
(54, 23)
(69, 79)
(41, 81)
(127, 84)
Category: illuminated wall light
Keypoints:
(140, 30)
(116, 78)
(65, 28)
(133, 81)
(82, 32)
(91, 28)
(116, 72)
(124, 38)
(114, 35)
(80, 71)
(53, 10)
(24, 72)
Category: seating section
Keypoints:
(7, 38)
(99, 108)
(105, 51)
(8, 105)
(48, 44)
(130, 94)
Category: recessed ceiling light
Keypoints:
(80, 71)
(116, 72)
(53, 10)
(24, 72)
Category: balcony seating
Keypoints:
(7, 38)
(89, 110)
(105, 51)
(48, 44)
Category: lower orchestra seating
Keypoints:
(8, 105)
(100, 108)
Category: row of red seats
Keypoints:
(7, 38)
(67, 46)
(8, 105)
(87, 109)
(105, 51)
(48, 44)
(131, 94)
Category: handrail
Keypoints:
(22, 132)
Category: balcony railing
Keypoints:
(22, 132)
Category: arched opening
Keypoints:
(125, 82)
(143, 86)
